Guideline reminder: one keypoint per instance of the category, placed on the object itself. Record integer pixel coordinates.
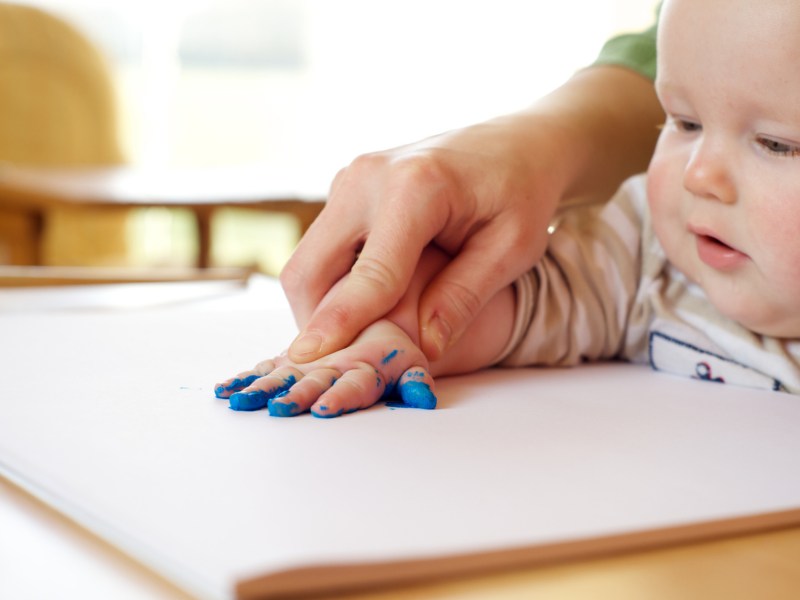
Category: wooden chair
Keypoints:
(57, 108)
(64, 191)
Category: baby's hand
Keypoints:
(381, 363)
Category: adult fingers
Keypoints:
(407, 219)
(373, 286)
(324, 255)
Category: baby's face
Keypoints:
(724, 183)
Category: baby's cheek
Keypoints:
(776, 235)
(666, 200)
(657, 189)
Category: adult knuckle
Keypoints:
(362, 169)
(375, 274)
(292, 278)
(341, 316)
(419, 171)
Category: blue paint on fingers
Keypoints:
(282, 409)
(414, 394)
(322, 413)
(258, 399)
(236, 384)
(388, 358)
(249, 400)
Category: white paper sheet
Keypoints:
(111, 418)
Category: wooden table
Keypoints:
(29, 192)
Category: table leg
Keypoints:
(203, 216)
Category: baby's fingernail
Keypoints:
(308, 344)
(438, 332)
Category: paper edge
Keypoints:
(180, 576)
(309, 581)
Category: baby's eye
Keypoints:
(778, 147)
(688, 126)
(685, 125)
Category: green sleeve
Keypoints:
(637, 51)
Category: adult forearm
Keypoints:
(602, 125)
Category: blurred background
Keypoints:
(300, 86)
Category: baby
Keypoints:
(694, 268)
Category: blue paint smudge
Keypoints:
(259, 399)
(283, 409)
(388, 358)
(235, 385)
(414, 394)
(249, 400)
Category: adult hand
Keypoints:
(484, 194)
(465, 191)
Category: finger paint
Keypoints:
(322, 413)
(414, 394)
(258, 399)
(388, 358)
(235, 384)
(282, 409)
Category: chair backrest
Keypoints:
(57, 104)
(57, 108)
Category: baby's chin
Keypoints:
(763, 321)
(788, 330)
(757, 312)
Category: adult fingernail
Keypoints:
(308, 344)
(438, 332)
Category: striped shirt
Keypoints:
(605, 290)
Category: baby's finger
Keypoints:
(355, 389)
(243, 380)
(415, 389)
(303, 394)
(262, 390)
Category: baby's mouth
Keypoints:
(711, 240)
(717, 254)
